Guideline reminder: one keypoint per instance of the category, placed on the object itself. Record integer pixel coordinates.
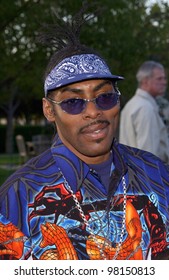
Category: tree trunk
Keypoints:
(10, 109)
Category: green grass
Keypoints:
(4, 174)
(8, 165)
(9, 159)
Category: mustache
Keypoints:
(94, 123)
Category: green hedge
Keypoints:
(27, 131)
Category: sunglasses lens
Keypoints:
(107, 101)
(73, 106)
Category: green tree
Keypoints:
(125, 32)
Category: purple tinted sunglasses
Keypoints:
(75, 106)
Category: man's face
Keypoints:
(88, 134)
(157, 83)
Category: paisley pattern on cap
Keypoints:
(78, 68)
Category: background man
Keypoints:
(140, 123)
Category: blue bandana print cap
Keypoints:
(78, 68)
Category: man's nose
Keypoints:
(91, 110)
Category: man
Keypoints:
(163, 104)
(87, 197)
(140, 123)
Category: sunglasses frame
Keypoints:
(115, 93)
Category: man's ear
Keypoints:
(48, 110)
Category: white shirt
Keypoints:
(142, 127)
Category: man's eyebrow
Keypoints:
(102, 84)
(70, 89)
(78, 90)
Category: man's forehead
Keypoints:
(158, 72)
(95, 84)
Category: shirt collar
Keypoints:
(147, 96)
(75, 170)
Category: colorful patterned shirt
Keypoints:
(56, 207)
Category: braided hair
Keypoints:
(64, 37)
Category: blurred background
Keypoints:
(126, 33)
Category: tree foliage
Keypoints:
(125, 32)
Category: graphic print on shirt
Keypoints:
(63, 235)
(11, 241)
(64, 206)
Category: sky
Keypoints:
(157, 1)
